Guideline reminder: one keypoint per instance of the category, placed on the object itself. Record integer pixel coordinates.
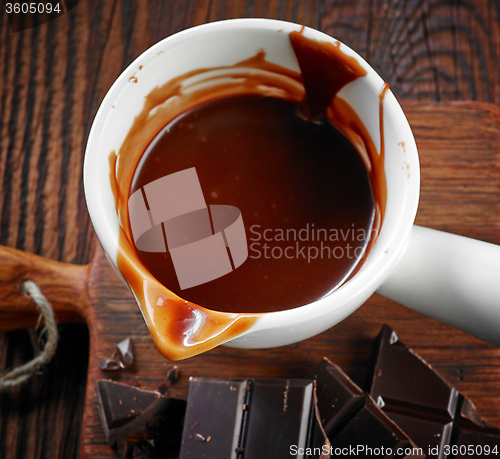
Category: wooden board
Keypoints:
(459, 146)
(54, 76)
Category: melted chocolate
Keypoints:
(182, 328)
(325, 71)
(291, 179)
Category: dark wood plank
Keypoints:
(426, 49)
(48, 100)
(54, 76)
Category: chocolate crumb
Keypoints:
(109, 365)
(125, 353)
(122, 358)
(163, 389)
(173, 374)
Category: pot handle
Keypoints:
(452, 278)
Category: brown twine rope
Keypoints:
(43, 354)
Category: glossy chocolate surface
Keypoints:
(182, 327)
(302, 188)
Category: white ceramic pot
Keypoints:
(452, 278)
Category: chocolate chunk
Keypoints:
(125, 353)
(279, 415)
(134, 418)
(338, 397)
(353, 422)
(249, 418)
(432, 412)
(172, 375)
(119, 404)
(403, 378)
(122, 358)
(215, 407)
(109, 364)
(372, 433)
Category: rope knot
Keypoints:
(43, 352)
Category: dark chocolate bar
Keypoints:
(352, 421)
(280, 417)
(214, 417)
(134, 418)
(251, 419)
(432, 412)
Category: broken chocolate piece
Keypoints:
(279, 415)
(338, 397)
(109, 364)
(372, 433)
(119, 404)
(250, 418)
(352, 420)
(215, 407)
(432, 412)
(132, 416)
(125, 353)
(122, 358)
(173, 374)
(403, 378)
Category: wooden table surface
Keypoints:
(53, 77)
